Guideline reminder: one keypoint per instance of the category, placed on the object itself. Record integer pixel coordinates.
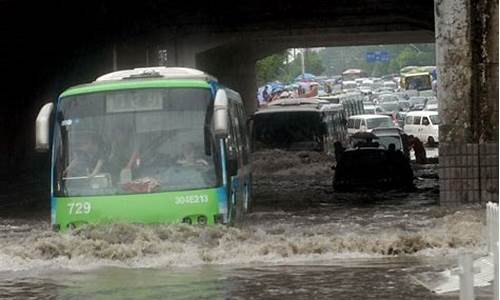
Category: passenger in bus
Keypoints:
(189, 158)
(87, 159)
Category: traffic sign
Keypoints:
(376, 56)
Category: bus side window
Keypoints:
(243, 132)
(416, 120)
(231, 139)
(409, 120)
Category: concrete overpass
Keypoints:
(49, 46)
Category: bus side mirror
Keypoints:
(43, 127)
(221, 113)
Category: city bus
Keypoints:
(416, 78)
(299, 124)
(147, 145)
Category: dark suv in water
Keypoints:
(369, 167)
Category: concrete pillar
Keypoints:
(467, 63)
(242, 78)
(234, 66)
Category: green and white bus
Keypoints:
(147, 145)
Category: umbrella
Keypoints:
(306, 77)
(276, 86)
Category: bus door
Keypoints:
(237, 163)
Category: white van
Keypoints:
(424, 125)
(367, 123)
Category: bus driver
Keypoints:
(188, 158)
(87, 158)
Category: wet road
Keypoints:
(303, 240)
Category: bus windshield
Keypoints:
(134, 141)
(294, 130)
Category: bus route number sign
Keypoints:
(79, 208)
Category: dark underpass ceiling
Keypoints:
(47, 46)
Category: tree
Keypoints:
(271, 68)
(337, 59)
(275, 67)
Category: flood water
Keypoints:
(302, 240)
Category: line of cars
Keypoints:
(373, 137)
(378, 154)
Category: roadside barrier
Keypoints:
(466, 265)
(492, 224)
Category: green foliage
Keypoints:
(340, 58)
(313, 64)
(271, 68)
(333, 61)
(276, 67)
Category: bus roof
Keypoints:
(299, 104)
(406, 75)
(157, 72)
(156, 77)
(372, 116)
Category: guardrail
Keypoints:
(466, 265)
(492, 224)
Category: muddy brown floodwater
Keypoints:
(302, 240)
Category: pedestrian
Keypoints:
(419, 149)
(406, 144)
(338, 150)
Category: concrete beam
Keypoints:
(467, 63)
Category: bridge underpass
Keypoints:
(325, 251)
(227, 43)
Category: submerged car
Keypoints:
(369, 166)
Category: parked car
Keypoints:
(383, 98)
(423, 125)
(373, 109)
(404, 105)
(417, 102)
(367, 123)
(432, 104)
(392, 106)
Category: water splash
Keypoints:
(263, 239)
